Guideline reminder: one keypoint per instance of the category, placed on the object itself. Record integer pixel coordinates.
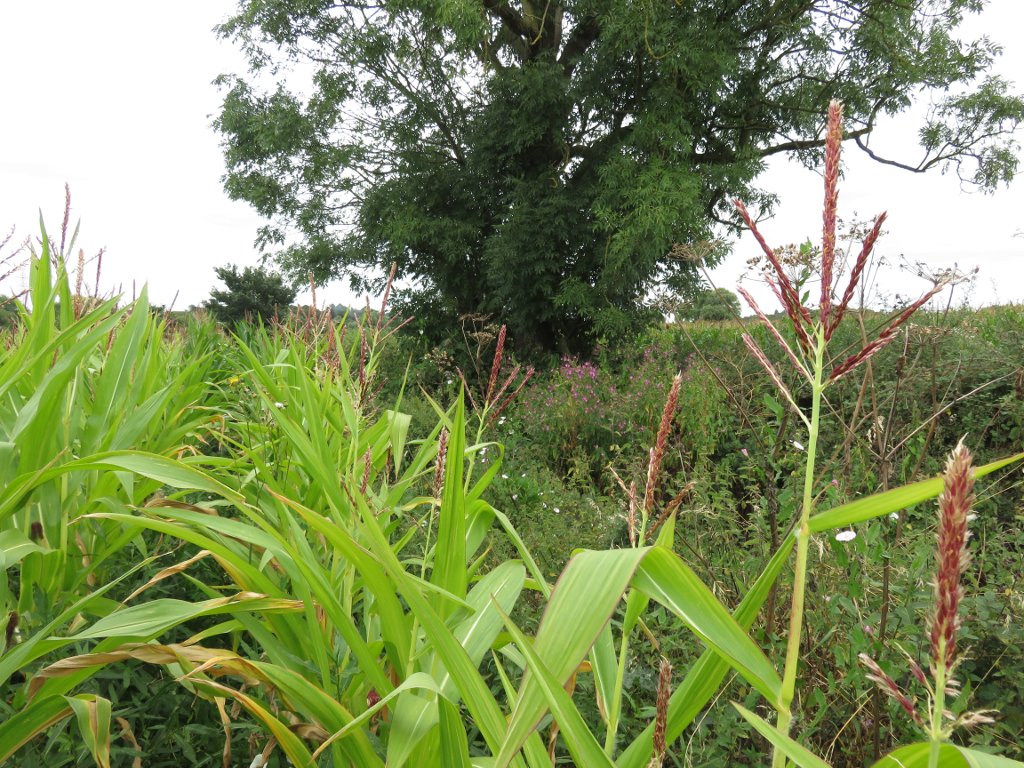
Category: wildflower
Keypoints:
(279, 405)
(745, 452)
(845, 536)
(798, 445)
(504, 477)
(557, 511)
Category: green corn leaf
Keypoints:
(603, 663)
(449, 571)
(704, 677)
(892, 501)
(950, 756)
(667, 579)
(584, 599)
(14, 545)
(93, 715)
(416, 681)
(799, 754)
(25, 725)
(976, 759)
(582, 745)
(454, 746)
(413, 717)
(150, 619)
(498, 589)
(917, 756)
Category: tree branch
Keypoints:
(581, 38)
(515, 23)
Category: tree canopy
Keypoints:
(255, 292)
(718, 304)
(538, 161)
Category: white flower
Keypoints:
(894, 515)
(279, 405)
(798, 446)
(971, 517)
(504, 477)
(515, 496)
(846, 536)
(557, 511)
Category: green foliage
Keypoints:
(539, 162)
(245, 530)
(252, 294)
(717, 305)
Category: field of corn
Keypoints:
(279, 548)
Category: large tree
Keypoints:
(253, 294)
(537, 160)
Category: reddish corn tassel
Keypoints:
(661, 714)
(954, 506)
(439, 464)
(661, 442)
(499, 351)
(890, 688)
(833, 140)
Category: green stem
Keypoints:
(936, 734)
(796, 616)
(615, 705)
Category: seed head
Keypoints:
(499, 351)
(889, 687)
(952, 558)
(657, 454)
(442, 455)
(833, 140)
(661, 714)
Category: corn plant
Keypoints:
(360, 625)
(82, 381)
(396, 619)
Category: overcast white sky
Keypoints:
(115, 97)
